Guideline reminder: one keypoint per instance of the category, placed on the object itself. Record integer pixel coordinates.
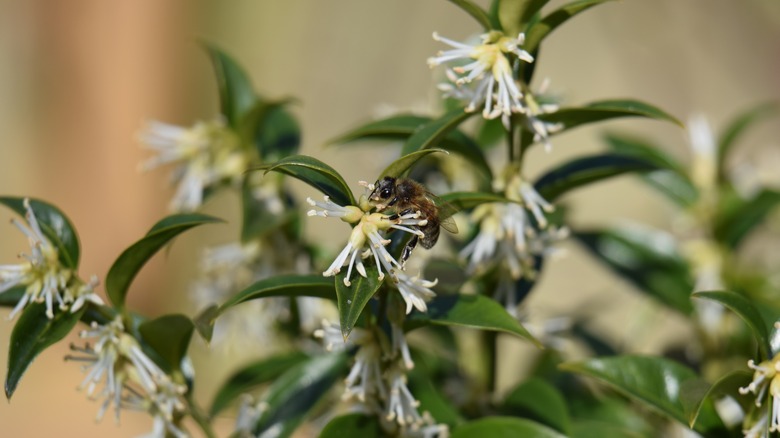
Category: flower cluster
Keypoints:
(368, 240)
(129, 378)
(378, 381)
(206, 154)
(43, 277)
(765, 386)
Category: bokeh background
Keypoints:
(78, 79)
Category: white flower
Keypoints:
(534, 107)
(364, 380)
(429, 429)
(704, 166)
(489, 63)
(206, 154)
(402, 406)
(41, 272)
(83, 293)
(333, 339)
(367, 240)
(248, 414)
(400, 346)
(765, 380)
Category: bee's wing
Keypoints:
(446, 211)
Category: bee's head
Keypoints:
(384, 189)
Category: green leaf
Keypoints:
(738, 126)
(600, 429)
(605, 110)
(353, 426)
(253, 375)
(432, 133)
(11, 297)
(236, 95)
(257, 220)
(646, 258)
(169, 336)
(676, 187)
(353, 298)
(288, 285)
(295, 393)
(55, 226)
(475, 311)
(541, 29)
(736, 223)
(694, 397)
(640, 148)
(475, 11)
(431, 400)
(32, 334)
(317, 174)
(466, 200)
(653, 381)
(745, 309)
(125, 268)
(537, 400)
(400, 166)
(504, 427)
(585, 170)
(279, 134)
(514, 15)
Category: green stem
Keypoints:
(200, 417)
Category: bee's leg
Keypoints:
(407, 252)
(395, 216)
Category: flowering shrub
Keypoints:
(365, 373)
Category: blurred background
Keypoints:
(79, 78)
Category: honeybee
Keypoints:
(406, 196)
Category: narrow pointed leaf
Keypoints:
(12, 296)
(514, 15)
(278, 135)
(475, 311)
(54, 225)
(648, 259)
(606, 110)
(253, 375)
(745, 309)
(353, 426)
(653, 381)
(540, 30)
(432, 133)
(728, 385)
(676, 187)
(317, 174)
(33, 333)
(432, 401)
(738, 126)
(398, 127)
(353, 298)
(296, 392)
(125, 268)
(538, 400)
(734, 225)
(401, 166)
(504, 427)
(169, 336)
(236, 95)
(641, 148)
(287, 285)
(586, 170)
(475, 11)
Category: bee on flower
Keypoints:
(205, 155)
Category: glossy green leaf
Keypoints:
(11, 297)
(538, 400)
(287, 285)
(353, 426)
(676, 187)
(641, 148)
(541, 29)
(291, 396)
(504, 427)
(728, 385)
(475, 311)
(279, 134)
(353, 298)
(734, 225)
(586, 170)
(432, 133)
(745, 309)
(606, 110)
(33, 333)
(646, 258)
(402, 165)
(653, 381)
(397, 127)
(475, 11)
(738, 126)
(252, 375)
(317, 174)
(236, 95)
(514, 15)
(432, 401)
(125, 268)
(55, 226)
(169, 336)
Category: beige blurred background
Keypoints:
(78, 78)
